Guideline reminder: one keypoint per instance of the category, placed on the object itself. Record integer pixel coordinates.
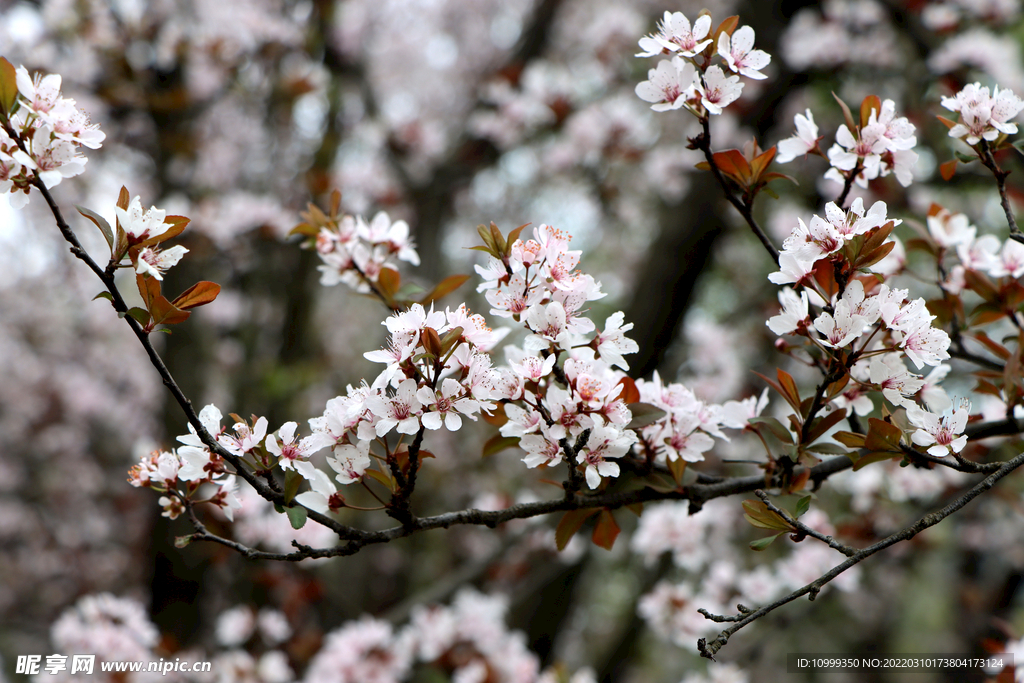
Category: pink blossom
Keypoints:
(805, 140)
(446, 404)
(669, 85)
(676, 36)
(738, 52)
(941, 434)
(716, 90)
(401, 410)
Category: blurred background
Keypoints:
(448, 114)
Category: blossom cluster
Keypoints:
(895, 326)
(194, 464)
(882, 145)
(689, 79)
(825, 237)
(355, 252)
(467, 641)
(983, 115)
(954, 234)
(562, 391)
(41, 137)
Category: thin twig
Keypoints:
(849, 551)
(703, 142)
(265, 490)
(989, 162)
(812, 589)
(848, 184)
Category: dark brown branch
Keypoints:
(264, 489)
(703, 143)
(958, 463)
(989, 162)
(697, 494)
(848, 185)
(803, 528)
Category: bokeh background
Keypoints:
(449, 114)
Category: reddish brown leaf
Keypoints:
(871, 102)
(823, 424)
(606, 530)
(335, 202)
(732, 163)
(850, 439)
(847, 116)
(629, 393)
(761, 162)
(381, 477)
(498, 443)
(389, 281)
(678, 468)
(514, 235)
(199, 294)
(992, 345)
(570, 523)
(882, 436)
(790, 391)
(948, 169)
(444, 288)
(980, 283)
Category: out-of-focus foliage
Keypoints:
(449, 114)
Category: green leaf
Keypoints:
(297, 516)
(140, 314)
(644, 414)
(498, 443)
(850, 439)
(8, 87)
(758, 514)
(101, 223)
(762, 543)
(489, 246)
(379, 476)
(292, 481)
(181, 541)
(826, 449)
(777, 429)
(104, 295)
(570, 523)
(802, 506)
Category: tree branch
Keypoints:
(803, 528)
(264, 489)
(812, 589)
(703, 143)
(989, 162)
